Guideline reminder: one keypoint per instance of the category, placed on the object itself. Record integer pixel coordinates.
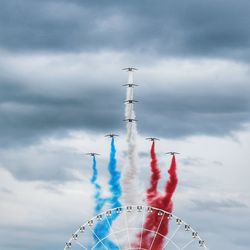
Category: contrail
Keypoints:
(165, 203)
(129, 181)
(99, 201)
(152, 196)
(102, 229)
(114, 183)
(152, 191)
(171, 184)
(154, 221)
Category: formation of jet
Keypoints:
(92, 154)
(111, 135)
(130, 69)
(152, 139)
(130, 120)
(130, 101)
(172, 153)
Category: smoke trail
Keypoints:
(114, 182)
(99, 201)
(171, 184)
(129, 181)
(153, 221)
(152, 195)
(102, 228)
(152, 191)
(165, 202)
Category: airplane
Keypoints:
(172, 153)
(130, 69)
(92, 154)
(130, 101)
(152, 139)
(130, 120)
(130, 85)
(111, 135)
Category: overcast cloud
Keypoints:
(60, 92)
(190, 28)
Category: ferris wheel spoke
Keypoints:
(99, 241)
(172, 236)
(138, 228)
(156, 232)
(112, 232)
(130, 225)
(126, 219)
(189, 243)
(143, 221)
(83, 247)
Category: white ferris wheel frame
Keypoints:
(138, 208)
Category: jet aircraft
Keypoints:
(130, 85)
(130, 101)
(111, 135)
(92, 154)
(152, 139)
(172, 153)
(130, 120)
(130, 69)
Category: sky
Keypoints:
(60, 93)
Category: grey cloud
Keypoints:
(192, 161)
(52, 169)
(218, 163)
(29, 116)
(5, 190)
(34, 237)
(213, 205)
(202, 113)
(195, 28)
(220, 228)
(32, 165)
(51, 188)
(143, 154)
(199, 162)
(52, 166)
(242, 241)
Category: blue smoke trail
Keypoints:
(114, 182)
(99, 201)
(102, 228)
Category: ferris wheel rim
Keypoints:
(131, 207)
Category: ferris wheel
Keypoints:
(127, 230)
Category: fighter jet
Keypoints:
(130, 85)
(130, 120)
(130, 101)
(172, 153)
(130, 69)
(111, 135)
(152, 139)
(92, 154)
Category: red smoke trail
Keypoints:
(152, 194)
(165, 203)
(155, 222)
(155, 176)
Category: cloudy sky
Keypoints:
(60, 92)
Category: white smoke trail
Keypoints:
(129, 181)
